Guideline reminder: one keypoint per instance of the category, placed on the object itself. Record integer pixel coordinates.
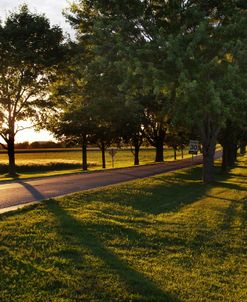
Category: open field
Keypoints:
(164, 238)
(54, 162)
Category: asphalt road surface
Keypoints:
(16, 193)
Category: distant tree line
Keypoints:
(39, 145)
(161, 72)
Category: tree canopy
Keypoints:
(184, 60)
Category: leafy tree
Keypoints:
(108, 120)
(74, 124)
(71, 118)
(211, 80)
(30, 50)
(156, 124)
(194, 59)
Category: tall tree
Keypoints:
(75, 125)
(156, 123)
(108, 118)
(71, 117)
(211, 80)
(30, 50)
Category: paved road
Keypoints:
(26, 191)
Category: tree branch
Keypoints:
(25, 128)
(4, 137)
(4, 147)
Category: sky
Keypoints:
(53, 11)
(51, 8)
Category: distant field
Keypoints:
(123, 157)
(56, 160)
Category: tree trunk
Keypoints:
(224, 164)
(11, 155)
(228, 140)
(103, 155)
(159, 153)
(182, 153)
(175, 153)
(242, 148)
(229, 155)
(233, 155)
(159, 150)
(208, 166)
(210, 134)
(136, 154)
(84, 153)
(156, 139)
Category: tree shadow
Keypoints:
(238, 175)
(76, 233)
(164, 194)
(231, 186)
(232, 212)
(35, 193)
(241, 166)
(220, 198)
(244, 212)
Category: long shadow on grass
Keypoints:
(244, 212)
(83, 235)
(242, 167)
(170, 193)
(239, 175)
(232, 186)
(165, 194)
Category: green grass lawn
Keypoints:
(164, 238)
(36, 164)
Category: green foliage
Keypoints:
(181, 60)
(211, 81)
(113, 42)
(30, 49)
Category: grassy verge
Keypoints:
(164, 238)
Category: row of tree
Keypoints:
(160, 71)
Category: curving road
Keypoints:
(22, 192)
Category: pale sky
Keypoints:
(53, 11)
(51, 8)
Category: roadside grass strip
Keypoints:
(164, 238)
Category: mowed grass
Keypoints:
(164, 238)
(36, 164)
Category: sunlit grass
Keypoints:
(164, 238)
